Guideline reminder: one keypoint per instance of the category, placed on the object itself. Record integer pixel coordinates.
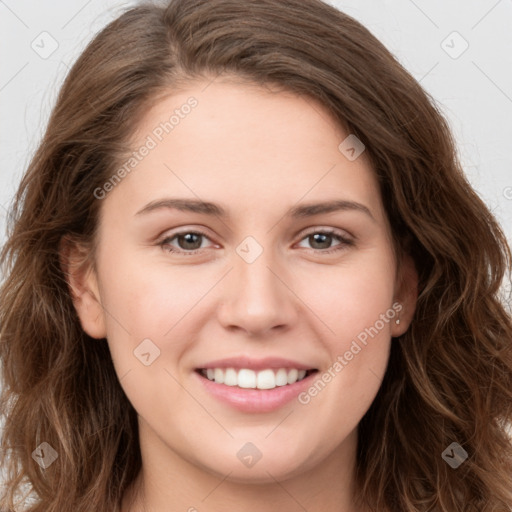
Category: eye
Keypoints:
(322, 240)
(189, 242)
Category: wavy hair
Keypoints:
(449, 377)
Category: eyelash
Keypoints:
(344, 242)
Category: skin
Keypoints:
(257, 153)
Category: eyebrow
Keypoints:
(208, 208)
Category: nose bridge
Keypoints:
(256, 299)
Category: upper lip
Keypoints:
(255, 364)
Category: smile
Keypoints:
(261, 389)
(247, 378)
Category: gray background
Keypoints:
(473, 89)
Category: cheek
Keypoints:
(149, 299)
(350, 297)
(355, 307)
(149, 328)
(141, 304)
(358, 350)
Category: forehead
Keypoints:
(243, 145)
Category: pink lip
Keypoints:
(256, 364)
(255, 400)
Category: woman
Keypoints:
(240, 277)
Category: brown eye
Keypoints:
(187, 242)
(322, 240)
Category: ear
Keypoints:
(76, 264)
(406, 293)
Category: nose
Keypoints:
(257, 297)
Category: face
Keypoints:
(244, 246)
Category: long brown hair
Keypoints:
(449, 378)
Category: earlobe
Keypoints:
(82, 282)
(407, 295)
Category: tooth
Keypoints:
(219, 375)
(281, 377)
(246, 378)
(230, 378)
(292, 375)
(266, 379)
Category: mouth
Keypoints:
(247, 378)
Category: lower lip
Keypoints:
(255, 400)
